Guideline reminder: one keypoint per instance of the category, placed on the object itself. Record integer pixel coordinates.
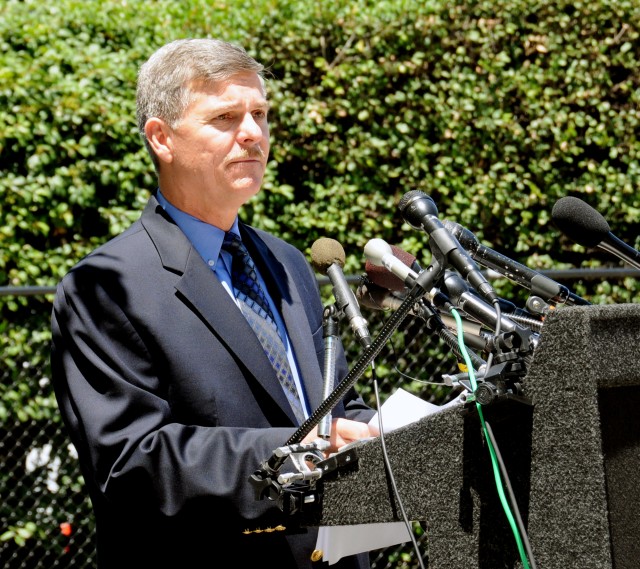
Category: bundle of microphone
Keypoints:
(453, 296)
(495, 339)
(494, 329)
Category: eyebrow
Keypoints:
(264, 105)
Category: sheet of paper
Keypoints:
(401, 408)
(336, 542)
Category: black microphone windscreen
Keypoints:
(326, 252)
(579, 221)
(414, 205)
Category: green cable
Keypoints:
(494, 459)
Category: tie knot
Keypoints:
(232, 243)
(239, 254)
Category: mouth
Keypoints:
(245, 160)
(247, 156)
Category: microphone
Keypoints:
(471, 304)
(386, 289)
(327, 257)
(380, 275)
(421, 212)
(380, 254)
(458, 291)
(537, 283)
(381, 292)
(376, 297)
(585, 226)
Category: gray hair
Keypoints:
(166, 79)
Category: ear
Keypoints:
(159, 136)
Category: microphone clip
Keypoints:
(305, 500)
(501, 383)
(299, 494)
(269, 484)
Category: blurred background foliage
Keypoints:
(494, 108)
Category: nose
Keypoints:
(250, 130)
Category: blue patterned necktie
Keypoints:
(256, 310)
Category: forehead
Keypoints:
(247, 84)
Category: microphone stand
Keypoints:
(330, 334)
(265, 480)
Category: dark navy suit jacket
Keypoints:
(172, 404)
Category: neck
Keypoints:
(216, 214)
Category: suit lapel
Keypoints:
(202, 291)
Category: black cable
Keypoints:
(512, 499)
(390, 472)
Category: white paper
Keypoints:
(401, 408)
(336, 542)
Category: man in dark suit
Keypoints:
(167, 393)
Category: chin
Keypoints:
(249, 186)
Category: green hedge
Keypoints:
(496, 109)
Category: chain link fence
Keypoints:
(46, 520)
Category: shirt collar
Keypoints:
(206, 238)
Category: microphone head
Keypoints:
(579, 221)
(407, 258)
(414, 206)
(326, 252)
(384, 278)
(375, 250)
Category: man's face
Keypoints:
(220, 146)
